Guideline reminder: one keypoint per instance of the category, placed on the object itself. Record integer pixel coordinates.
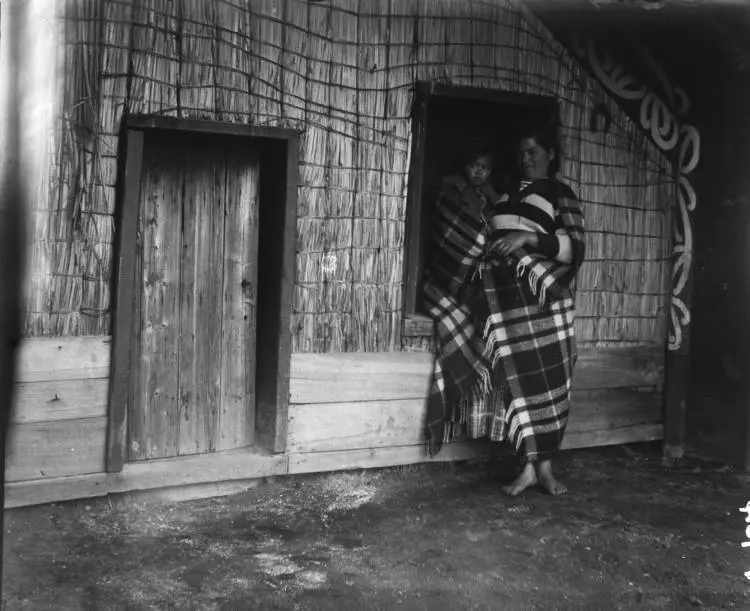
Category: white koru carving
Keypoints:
(667, 131)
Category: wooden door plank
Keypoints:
(195, 181)
(237, 419)
(155, 413)
(201, 300)
(212, 283)
(136, 420)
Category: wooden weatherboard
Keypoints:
(347, 410)
(275, 288)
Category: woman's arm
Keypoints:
(565, 251)
(569, 227)
(558, 246)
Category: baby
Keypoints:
(474, 185)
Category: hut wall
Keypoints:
(343, 74)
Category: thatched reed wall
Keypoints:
(342, 73)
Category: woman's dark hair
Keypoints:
(546, 137)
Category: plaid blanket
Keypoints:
(526, 352)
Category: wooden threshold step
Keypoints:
(167, 473)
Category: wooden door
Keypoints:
(193, 342)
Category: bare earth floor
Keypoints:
(631, 535)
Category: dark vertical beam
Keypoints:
(414, 216)
(741, 121)
(288, 267)
(731, 136)
(125, 295)
(676, 385)
(677, 365)
(13, 203)
(277, 246)
(744, 325)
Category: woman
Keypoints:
(500, 291)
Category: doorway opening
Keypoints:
(206, 224)
(449, 123)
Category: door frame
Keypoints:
(272, 392)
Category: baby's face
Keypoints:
(478, 171)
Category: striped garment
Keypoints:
(530, 213)
(512, 381)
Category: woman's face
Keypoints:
(534, 159)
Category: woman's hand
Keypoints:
(508, 243)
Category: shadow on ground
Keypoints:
(631, 535)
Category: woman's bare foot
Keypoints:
(526, 479)
(547, 480)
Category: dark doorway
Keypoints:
(449, 123)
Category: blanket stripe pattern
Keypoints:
(526, 351)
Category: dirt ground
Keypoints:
(631, 535)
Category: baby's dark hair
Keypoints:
(480, 153)
(546, 137)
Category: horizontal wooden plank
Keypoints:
(192, 478)
(375, 424)
(342, 460)
(360, 376)
(350, 426)
(55, 490)
(60, 400)
(39, 450)
(210, 127)
(600, 368)
(187, 492)
(59, 489)
(599, 410)
(637, 433)
(63, 358)
(81, 487)
(185, 470)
